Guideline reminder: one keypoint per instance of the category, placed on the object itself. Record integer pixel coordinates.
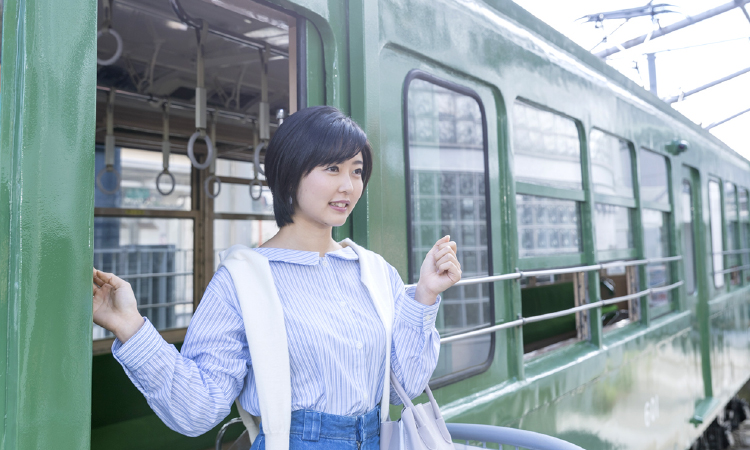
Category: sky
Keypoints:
(717, 47)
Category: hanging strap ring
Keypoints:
(191, 153)
(118, 51)
(258, 183)
(207, 186)
(158, 181)
(99, 180)
(256, 158)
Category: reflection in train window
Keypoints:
(611, 166)
(656, 245)
(447, 175)
(614, 227)
(546, 148)
(688, 241)
(731, 218)
(156, 257)
(717, 233)
(548, 226)
(654, 178)
(745, 230)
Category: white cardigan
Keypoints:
(266, 334)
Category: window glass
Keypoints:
(614, 226)
(447, 171)
(156, 257)
(546, 148)
(717, 238)
(733, 229)
(235, 198)
(239, 169)
(548, 226)
(745, 226)
(611, 168)
(138, 171)
(251, 233)
(656, 244)
(654, 178)
(688, 242)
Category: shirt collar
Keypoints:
(302, 257)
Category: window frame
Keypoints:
(720, 183)
(417, 74)
(744, 225)
(617, 200)
(736, 236)
(663, 207)
(537, 190)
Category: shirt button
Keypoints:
(324, 263)
(359, 345)
(342, 304)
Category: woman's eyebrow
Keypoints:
(359, 161)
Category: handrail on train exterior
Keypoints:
(535, 273)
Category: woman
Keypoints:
(317, 166)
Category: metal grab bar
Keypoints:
(564, 270)
(733, 269)
(732, 252)
(508, 436)
(524, 320)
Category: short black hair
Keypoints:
(311, 137)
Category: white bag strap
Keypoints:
(251, 422)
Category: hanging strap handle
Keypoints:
(212, 178)
(201, 109)
(109, 148)
(107, 29)
(165, 150)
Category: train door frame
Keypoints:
(700, 298)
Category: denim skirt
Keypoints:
(317, 430)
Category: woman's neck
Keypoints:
(300, 236)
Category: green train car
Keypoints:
(605, 238)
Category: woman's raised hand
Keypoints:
(440, 270)
(115, 307)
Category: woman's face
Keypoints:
(327, 195)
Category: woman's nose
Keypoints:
(346, 184)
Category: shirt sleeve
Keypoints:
(416, 343)
(192, 391)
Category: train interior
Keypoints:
(170, 77)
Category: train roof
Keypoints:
(550, 36)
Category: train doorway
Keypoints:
(188, 94)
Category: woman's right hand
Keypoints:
(115, 307)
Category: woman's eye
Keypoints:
(358, 171)
(332, 169)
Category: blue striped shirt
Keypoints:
(335, 338)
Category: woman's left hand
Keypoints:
(440, 270)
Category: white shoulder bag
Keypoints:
(421, 426)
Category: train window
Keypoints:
(731, 218)
(656, 245)
(155, 256)
(235, 198)
(548, 226)
(614, 225)
(548, 294)
(717, 234)
(745, 230)
(688, 240)
(546, 148)
(447, 174)
(138, 171)
(654, 182)
(252, 233)
(611, 165)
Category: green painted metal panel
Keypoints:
(547, 191)
(615, 200)
(46, 220)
